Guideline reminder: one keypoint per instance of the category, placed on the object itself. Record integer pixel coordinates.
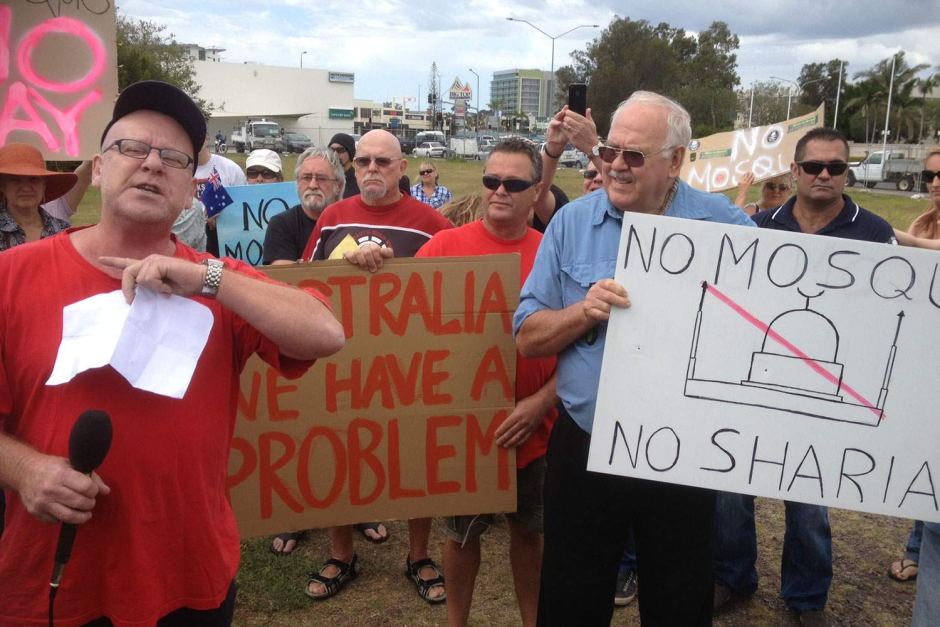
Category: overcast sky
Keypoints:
(390, 44)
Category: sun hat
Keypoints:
(18, 159)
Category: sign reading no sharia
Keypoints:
(792, 366)
(401, 422)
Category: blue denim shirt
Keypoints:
(578, 250)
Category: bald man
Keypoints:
(377, 224)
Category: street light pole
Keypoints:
(302, 59)
(553, 38)
(478, 99)
(789, 91)
(799, 88)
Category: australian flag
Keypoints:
(214, 196)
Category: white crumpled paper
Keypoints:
(155, 342)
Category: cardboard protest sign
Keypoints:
(718, 162)
(777, 364)
(400, 423)
(58, 75)
(242, 224)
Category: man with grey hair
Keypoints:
(320, 182)
(564, 309)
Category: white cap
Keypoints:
(265, 158)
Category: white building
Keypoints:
(317, 103)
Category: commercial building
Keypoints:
(315, 102)
(390, 116)
(522, 91)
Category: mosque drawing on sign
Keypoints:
(796, 370)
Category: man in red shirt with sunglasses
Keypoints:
(377, 224)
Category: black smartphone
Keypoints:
(577, 98)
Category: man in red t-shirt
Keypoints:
(365, 230)
(157, 537)
(511, 185)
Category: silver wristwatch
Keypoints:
(210, 285)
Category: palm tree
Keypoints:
(905, 79)
(868, 94)
(925, 86)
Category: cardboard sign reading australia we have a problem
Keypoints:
(792, 366)
(400, 423)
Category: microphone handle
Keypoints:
(63, 550)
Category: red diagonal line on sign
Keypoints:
(809, 361)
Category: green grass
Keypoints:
(463, 177)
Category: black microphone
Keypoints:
(89, 443)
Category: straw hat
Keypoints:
(24, 160)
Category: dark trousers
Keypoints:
(186, 617)
(588, 516)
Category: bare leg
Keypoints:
(419, 532)
(341, 548)
(461, 565)
(525, 557)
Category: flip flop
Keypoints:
(903, 570)
(373, 526)
(296, 536)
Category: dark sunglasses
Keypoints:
(337, 149)
(589, 174)
(778, 187)
(262, 172)
(510, 185)
(815, 168)
(363, 162)
(423, 172)
(633, 158)
(927, 176)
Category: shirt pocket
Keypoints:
(577, 278)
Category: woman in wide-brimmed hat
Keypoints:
(25, 183)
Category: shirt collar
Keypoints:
(604, 209)
(784, 215)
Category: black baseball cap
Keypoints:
(163, 98)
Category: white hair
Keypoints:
(678, 120)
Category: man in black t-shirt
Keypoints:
(320, 182)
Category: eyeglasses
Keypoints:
(633, 158)
(423, 172)
(139, 150)
(381, 162)
(337, 148)
(512, 186)
(815, 168)
(778, 187)
(264, 173)
(927, 176)
(588, 174)
(319, 178)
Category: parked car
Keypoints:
(407, 144)
(296, 142)
(571, 157)
(485, 150)
(430, 149)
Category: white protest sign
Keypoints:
(777, 364)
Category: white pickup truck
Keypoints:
(897, 169)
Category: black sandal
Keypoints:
(347, 572)
(413, 570)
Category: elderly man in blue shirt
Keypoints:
(564, 309)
